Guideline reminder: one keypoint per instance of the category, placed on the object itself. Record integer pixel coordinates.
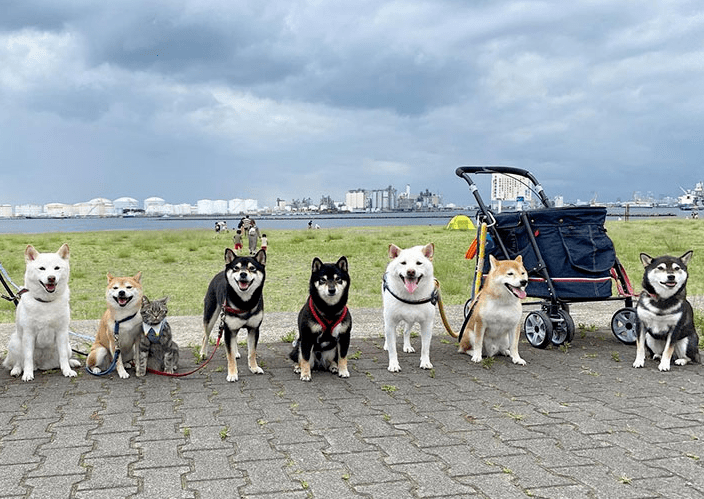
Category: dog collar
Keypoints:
(25, 290)
(116, 330)
(434, 296)
(242, 314)
(328, 326)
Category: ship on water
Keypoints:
(692, 199)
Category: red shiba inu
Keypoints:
(122, 321)
(495, 314)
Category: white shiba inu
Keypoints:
(124, 300)
(665, 322)
(409, 296)
(40, 340)
(495, 314)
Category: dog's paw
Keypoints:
(28, 376)
(296, 369)
(256, 370)
(681, 362)
(408, 349)
(344, 373)
(69, 373)
(305, 377)
(519, 361)
(232, 378)
(16, 371)
(664, 366)
(394, 367)
(334, 369)
(656, 356)
(124, 375)
(638, 363)
(425, 364)
(74, 363)
(476, 357)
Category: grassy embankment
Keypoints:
(180, 263)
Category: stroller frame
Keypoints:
(552, 323)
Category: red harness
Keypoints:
(328, 326)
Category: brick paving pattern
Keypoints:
(577, 421)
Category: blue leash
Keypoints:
(116, 332)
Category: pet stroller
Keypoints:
(567, 254)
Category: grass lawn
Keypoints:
(180, 263)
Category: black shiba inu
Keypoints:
(237, 291)
(665, 318)
(324, 323)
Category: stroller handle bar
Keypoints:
(465, 171)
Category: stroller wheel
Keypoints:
(538, 329)
(563, 328)
(623, 325)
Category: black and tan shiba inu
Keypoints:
(495, 314)
(665, 322)
(324, 323)
(236, 291)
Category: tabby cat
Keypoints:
(157, 349)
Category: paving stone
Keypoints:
(573, 423)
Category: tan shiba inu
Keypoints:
(495, 313)
(123, 320)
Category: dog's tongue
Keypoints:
(411, 284)
(518, 292)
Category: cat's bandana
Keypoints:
(152, 331)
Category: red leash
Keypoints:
(180, 375)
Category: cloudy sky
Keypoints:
(218, 99)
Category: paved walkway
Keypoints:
(577, 421)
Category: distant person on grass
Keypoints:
(238, 240)
(252, 238)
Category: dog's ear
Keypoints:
(645, 259)
(110, 277)
(138, 276)
(394, 251)
(686, 257)
(317, 264)
(429, 251)
(492, 262)
(342, 264)
(30, 254)
(63, 251)
(261, 257)
(229, 256)
(519, 259)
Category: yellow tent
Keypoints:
(460, 222)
